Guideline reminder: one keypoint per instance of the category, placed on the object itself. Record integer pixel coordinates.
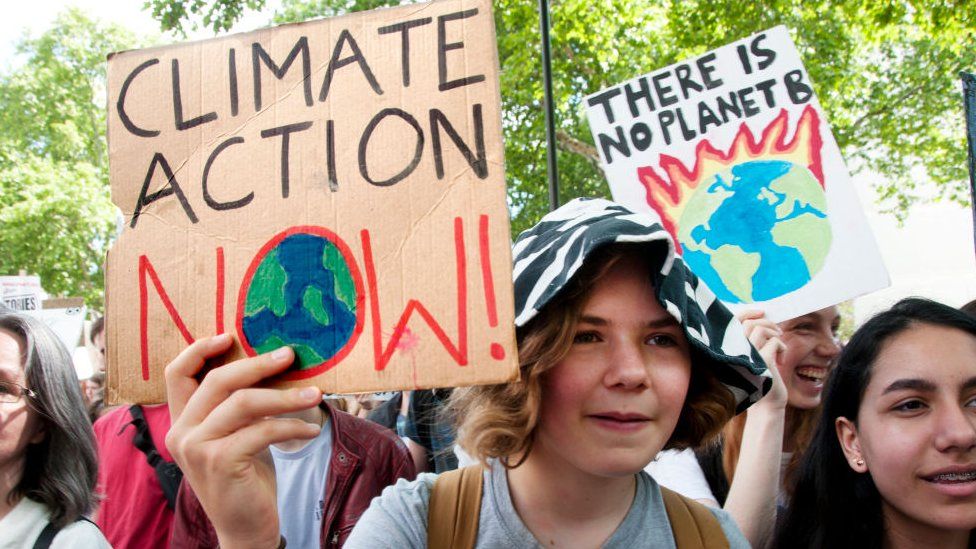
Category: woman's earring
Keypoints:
(859, 462)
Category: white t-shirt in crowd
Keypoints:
(20, 528)
(679, 470)
(463, 458)
(300, 477)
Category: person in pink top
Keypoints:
(134, 511)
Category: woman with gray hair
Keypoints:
(48, 463)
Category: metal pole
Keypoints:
(969, 98)
(550, 110)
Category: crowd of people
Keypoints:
(646, 415)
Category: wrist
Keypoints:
(767, 415)
(771, 403)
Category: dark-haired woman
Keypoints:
(47, 448)
(893, 460)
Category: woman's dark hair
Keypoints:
(833, 506)
(61, 470)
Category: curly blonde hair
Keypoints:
(499, 421)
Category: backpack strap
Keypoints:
(47, 535)
(454, 509)
(142, 439)
(693, 525)
(167, 473)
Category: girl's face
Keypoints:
(612, 403)
(19, 424)
(811, 347)
(916, 429)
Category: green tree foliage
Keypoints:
(182, 15)
(310, 9)
(56, 218)
(885, 72)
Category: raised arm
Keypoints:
(221, 431)
(756, 483)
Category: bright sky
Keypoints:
(931, 256)
(36, 15)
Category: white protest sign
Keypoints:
(734, 152)
(22, 293)
(65, 317)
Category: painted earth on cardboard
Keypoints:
(757, 231)
(304, 296)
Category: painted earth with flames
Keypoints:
(756, 231)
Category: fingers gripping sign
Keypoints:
(758, 328)
(222, 427)
(764, 335)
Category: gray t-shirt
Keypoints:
(398, 518)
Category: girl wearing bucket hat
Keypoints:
(623, 352)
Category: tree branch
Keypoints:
(570, 144)
(886, 107)
(956, 67)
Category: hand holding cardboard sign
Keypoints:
(221, 431)
(315, 219)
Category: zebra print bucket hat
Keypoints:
(547, 256)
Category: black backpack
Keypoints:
(167, 472)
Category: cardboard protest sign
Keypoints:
(22, 293)
(334, 185)
(733, 151)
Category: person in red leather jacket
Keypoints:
(359, 459)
